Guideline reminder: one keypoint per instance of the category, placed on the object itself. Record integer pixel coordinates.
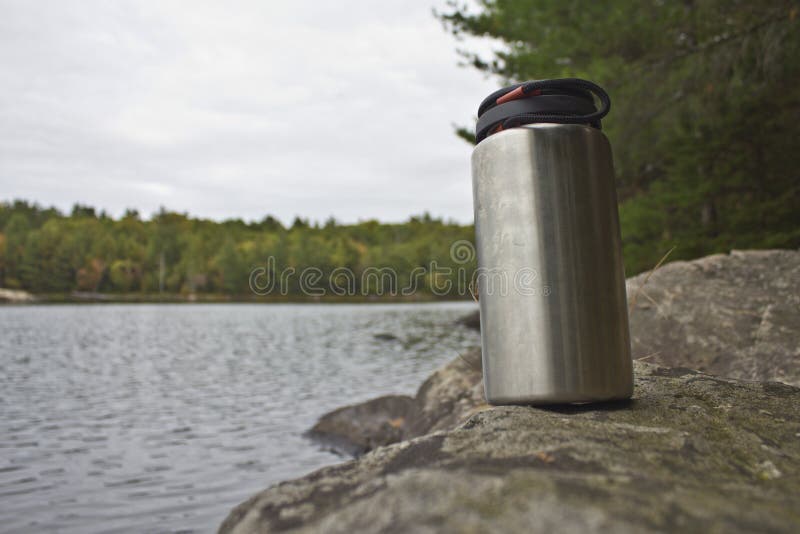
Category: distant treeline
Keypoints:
(45, 251)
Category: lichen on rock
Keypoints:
(689, 451)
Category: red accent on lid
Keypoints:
(511, 95)
(516, 94)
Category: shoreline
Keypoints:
(21, 297)
(706, 442)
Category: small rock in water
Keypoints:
(448, 396)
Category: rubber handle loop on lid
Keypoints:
(565, 100)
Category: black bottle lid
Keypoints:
(566, 101)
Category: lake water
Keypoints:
(161, 418)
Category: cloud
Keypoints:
(236, 109)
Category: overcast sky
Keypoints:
(236, 108)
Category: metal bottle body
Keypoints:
(551, 283)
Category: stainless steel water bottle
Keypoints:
(550, 279)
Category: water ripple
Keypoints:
(121, 418)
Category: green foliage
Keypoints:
(42, 250)
(16, 231)
(125, 275)
(705, 117)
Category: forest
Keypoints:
(45, 251)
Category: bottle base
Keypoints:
(560, 398)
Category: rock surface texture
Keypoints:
(735, 315)
(690, 451)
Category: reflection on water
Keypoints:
(159, 418)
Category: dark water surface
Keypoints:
(161, 418)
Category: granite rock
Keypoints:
(690, 452)
(447, 397)
(735, 315)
